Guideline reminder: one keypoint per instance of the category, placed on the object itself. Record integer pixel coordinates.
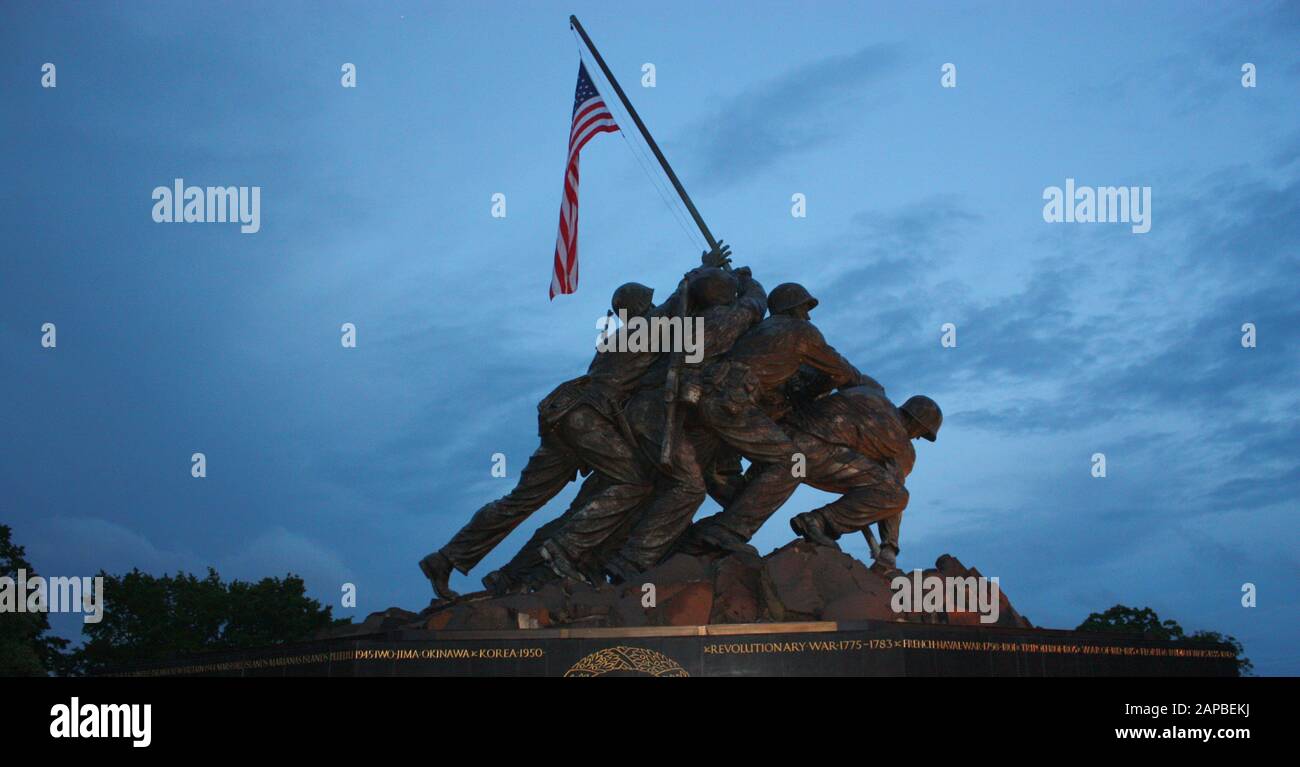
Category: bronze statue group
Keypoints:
(653, 434)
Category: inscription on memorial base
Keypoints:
(865, 648)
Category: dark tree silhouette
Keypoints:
(1121, 619)
(151, 618)
(26, 646)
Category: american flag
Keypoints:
(590, 116)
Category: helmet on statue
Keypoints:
(789, 295)
(633, 298)
(711, 286)
(926, 412)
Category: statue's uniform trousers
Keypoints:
(681, 491)
(741, 413)
(582, 438)
(723, 482)
(871, 491)
(529, 556)
(707, 443)
(582, 417)
(690, 471)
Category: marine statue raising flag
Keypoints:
(654, 429)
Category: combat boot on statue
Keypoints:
(437, 568)
(559, 562)
(810, 527)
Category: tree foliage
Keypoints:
(26, 646)
(1144, 622)
(152, 618)
(1130, 620)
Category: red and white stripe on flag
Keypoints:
(590, 116)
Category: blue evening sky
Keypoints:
(924, 206)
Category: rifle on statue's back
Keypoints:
(719, 257)
(672, 421)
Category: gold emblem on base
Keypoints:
(626, 661)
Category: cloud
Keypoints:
(278, 551)
(1100, 343)
(786, 115)
(68, 545)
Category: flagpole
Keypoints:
(645, 133)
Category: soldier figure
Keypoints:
(653, 432)
(855, 443)
(742, 395)
(581, 428)
(693, 453)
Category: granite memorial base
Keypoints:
(823, 648)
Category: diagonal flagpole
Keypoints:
(645, 133)
(672, 421)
